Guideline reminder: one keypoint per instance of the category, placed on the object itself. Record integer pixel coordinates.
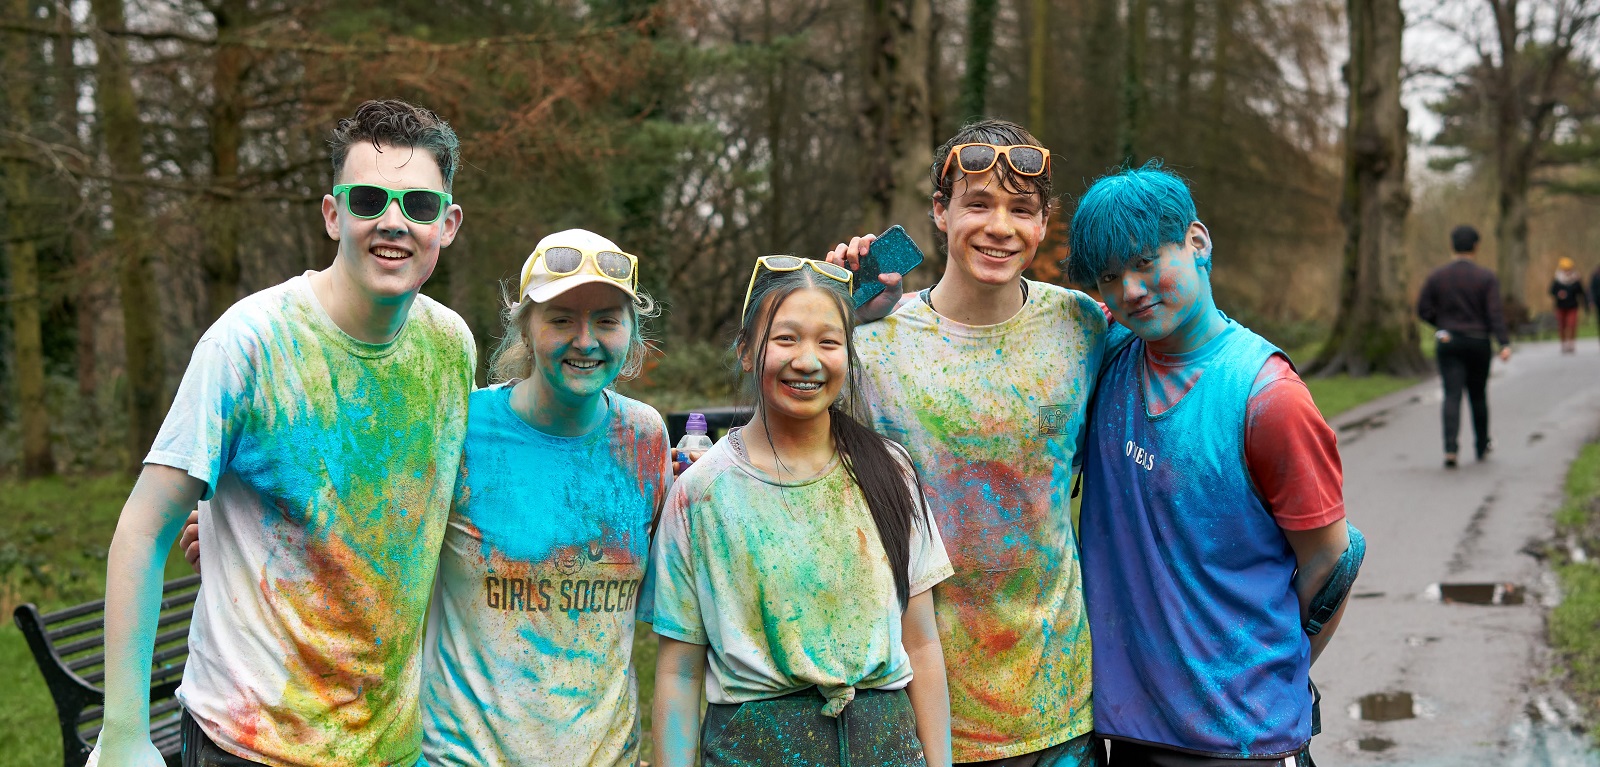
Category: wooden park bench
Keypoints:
(69, 647)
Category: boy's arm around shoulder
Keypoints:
(150, 522)
(1293, 459)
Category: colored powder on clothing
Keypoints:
(329, 465)
(770, 574)
(529, 656)
(993, 417)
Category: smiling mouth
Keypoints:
(390, 254)
(993, 253)
(582, 365)
(804, 387)
(1144, 311)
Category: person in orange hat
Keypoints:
(1566, 289)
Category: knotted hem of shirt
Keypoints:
(838, 698)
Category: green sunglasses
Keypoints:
(421, 206)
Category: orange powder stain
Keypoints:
(346, 642)
(999, 641)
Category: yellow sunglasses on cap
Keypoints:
(794, 264)
(565, 260)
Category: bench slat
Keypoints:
(99, 641)
(158, 664)
(162, 715)
(92, 607)
(98, 623)
(86, 608)
(95, 659)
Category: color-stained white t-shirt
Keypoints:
(993, 417)
(329, 466)
(529, 656)
(787, 581)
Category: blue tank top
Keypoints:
(1188, 580)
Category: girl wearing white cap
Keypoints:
(529, 655)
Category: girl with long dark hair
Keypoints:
(795, 562)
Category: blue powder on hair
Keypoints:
(1125, 215)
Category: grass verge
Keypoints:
(1336, 394)
(53, 539)
(1575, 623)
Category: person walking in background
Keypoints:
(1566, 289)
(1594, 292)
(1462, 301)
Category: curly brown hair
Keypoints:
(1002, 133)
(398, 123)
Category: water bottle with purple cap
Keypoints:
(694, 439)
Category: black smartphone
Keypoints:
(893, 252)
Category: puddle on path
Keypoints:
(1384, 707)
(1500, 594)
(1374, 744)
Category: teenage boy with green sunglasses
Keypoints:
(319, 427)
(985, 379)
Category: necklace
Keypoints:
(927, 295)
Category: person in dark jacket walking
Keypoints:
(1462, 300)
(1594, 292)
(1566, 290)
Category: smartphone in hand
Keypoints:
(893, 252)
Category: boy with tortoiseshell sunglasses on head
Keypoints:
(985, 379)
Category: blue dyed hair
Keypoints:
(1125, 215)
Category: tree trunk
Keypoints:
(1221, 72)
(23, 262)
(980, 43)
(119, 117)
(220, 262)
(1189, 21)
(1133, 90)
(88, 298)
(1374, 330)
(777, 106)
(898, 122)
(1036, 67)
(1101, 94)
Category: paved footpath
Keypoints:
(1476, 675)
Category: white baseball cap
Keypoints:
(582, 257)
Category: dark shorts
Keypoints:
(1082, 751)
(200, 751)
(1129, 754)
(877, 728)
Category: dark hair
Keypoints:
(1463, 239)
(1000, 132)
(397, 123)
(870, 459)
(1124, 215)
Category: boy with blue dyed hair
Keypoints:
(319, 427)
(1213, 509)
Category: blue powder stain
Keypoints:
(581, 473)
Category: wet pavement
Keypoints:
(1441, 658)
